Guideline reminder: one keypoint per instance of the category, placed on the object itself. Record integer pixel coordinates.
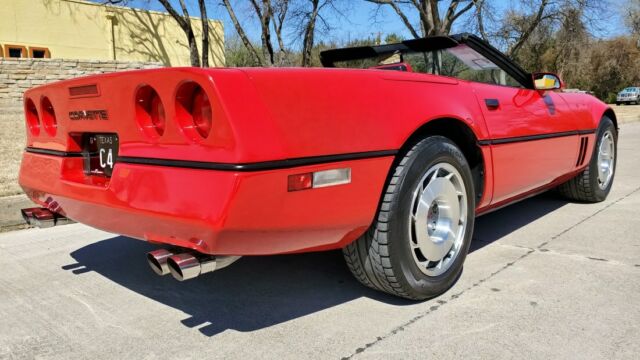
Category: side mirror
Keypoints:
(546, 81)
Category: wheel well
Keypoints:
(462, 136)
(611, 115)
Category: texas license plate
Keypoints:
(100, 153)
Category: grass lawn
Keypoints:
(12, 142)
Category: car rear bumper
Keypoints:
(211, 211)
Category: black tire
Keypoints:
(585, 187)
(617, 103)
(382, 258)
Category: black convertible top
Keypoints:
(426, 44)
(430, 43)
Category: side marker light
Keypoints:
(319, 179)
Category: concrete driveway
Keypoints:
(544, 279)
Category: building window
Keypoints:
(15, 51)
(39, 53)
(1, 52)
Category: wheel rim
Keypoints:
(438, 219)
(606, 160)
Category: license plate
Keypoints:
(100, 154)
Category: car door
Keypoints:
(532, 137)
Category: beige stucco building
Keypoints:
(74, 29)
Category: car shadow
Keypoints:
(500, 223)
(261, 291)
(254, 293)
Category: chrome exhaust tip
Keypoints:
(187, 266)
(43, 218)
(157, 260)
(184, 266)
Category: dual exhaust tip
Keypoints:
(186, 265)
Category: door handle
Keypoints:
(492, 104)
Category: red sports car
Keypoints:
(388, 152)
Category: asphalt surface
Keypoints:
(545, 279)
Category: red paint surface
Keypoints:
(275, 114)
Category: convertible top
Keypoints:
(431, 43)
(329, 58)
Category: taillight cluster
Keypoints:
(43, 118)
(150, 112)
(48, 117)
(193, 111)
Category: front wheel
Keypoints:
(418, 244)
(594, 183)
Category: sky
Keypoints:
(358, 21)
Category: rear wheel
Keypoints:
(418, 244)
(594, 183)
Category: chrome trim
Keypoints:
(187, 266)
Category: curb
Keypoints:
(10, 210)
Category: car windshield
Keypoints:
(459, 61)
(631, 90)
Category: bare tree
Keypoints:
(184, 21)
(309, 32)
(521, 26)
(241, 33)
(270, 14)
(264, 11)
(519, 23)
(632, 17)
(280, 11)
(205, 33)
(431, 21)
(310, 17)
(303, 17)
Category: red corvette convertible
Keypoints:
(388, 152)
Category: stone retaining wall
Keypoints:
(18, 75)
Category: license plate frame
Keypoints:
(100, 153)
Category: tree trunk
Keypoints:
(529, 30)
(184, 21)
(428, 14)
(241, 33)
(309, 34)
(264, 14)
(278, 21)
(205, 33)
(193, 45)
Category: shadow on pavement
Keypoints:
(500, 223)
(253, 293)
(258, 292)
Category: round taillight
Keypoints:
(33, 121)
(193, 111)
(201, 111)
(150, 112)
(49, 121)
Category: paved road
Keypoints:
(545, 279)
